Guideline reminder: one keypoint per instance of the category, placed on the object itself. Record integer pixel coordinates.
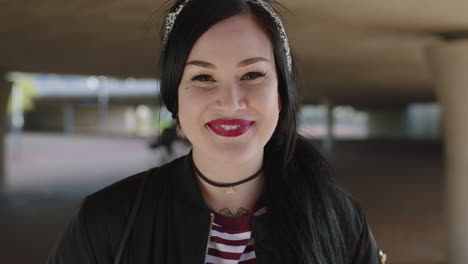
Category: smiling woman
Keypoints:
(228, 101)
(251, 190)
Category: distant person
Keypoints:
(252, 190)
(166, 139)
(172, 144)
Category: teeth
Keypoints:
(225, 127)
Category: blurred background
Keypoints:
(383, 90)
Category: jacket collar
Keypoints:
(184, 183)
(189, 202)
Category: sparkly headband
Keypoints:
(171, 18)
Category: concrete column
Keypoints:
(387, 122)
(103, 110)
(327, 143)
(5, 88)
(449, 64)
(68, 118)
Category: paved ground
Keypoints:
(399, 184)
(72, 166)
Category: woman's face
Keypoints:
(228, 95)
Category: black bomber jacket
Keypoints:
(170, 224)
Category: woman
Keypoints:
(251, 190)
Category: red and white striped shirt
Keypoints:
(231, 240)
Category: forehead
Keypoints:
(233, 39)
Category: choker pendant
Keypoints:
(230, 186)
(231, 190)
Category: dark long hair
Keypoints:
(307, 208)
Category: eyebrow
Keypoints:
(243, 63)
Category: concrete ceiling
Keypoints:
(354, 52)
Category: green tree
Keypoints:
(29, 89)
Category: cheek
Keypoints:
(191, 106)
(184, 109)
(268, 98)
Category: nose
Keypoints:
(231, 98)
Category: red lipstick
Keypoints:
(230, 127)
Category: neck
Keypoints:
(229, 171)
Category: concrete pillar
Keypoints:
(449, 65)
(387, 122)
(327, 143)
(68, 118)
(103, 110)
(5, 88)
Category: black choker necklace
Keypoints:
(226, 185)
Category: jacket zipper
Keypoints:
(209, 236)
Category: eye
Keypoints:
(203, 78)
(253, 75)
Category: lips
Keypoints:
(230, 127)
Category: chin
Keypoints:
(237, 153)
